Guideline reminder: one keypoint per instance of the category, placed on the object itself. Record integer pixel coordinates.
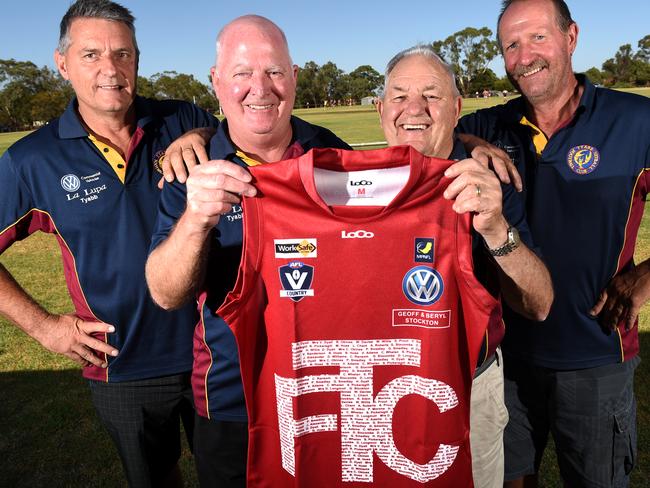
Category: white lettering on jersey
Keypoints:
(366, 422)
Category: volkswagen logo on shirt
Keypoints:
(422, 285)
(70, 183)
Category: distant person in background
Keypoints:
(90, 178)
(583, 154)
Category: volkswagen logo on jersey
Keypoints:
(70, 183)
(296, 278)
(422, 285)
(583, 159)
(423, 250)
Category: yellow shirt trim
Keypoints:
(248, 160)
(539, 138)
(112, 157)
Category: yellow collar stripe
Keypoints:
(248, 160)
(112, 157)
(539, 138)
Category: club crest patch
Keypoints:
(296, 278)
(158, 161)
(423, 250)
(422, 285)
(583, 159)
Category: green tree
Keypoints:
(595, 75)
(468, 51)
(363, 82)
(180, 86)
(30, 94)
(643, 53)
(307, 93)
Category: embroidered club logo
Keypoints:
(296, 278)
(422, 285)
(70, 183)
(158, 161)
(423, 250)
(583, 159)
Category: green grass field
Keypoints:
(50, 435)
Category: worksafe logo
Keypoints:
(583, 159)
(296, 278)
(70, 183)
(295, 248)
(422, 285)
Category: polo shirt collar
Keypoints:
(519, 108)
(70, 126)
(221, 147)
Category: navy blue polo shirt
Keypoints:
(102, 211)
(485, 268)
(585, 190)
(216, 380)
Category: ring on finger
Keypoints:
(478, 191)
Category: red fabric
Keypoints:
(340, 390)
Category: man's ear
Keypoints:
(59, 61)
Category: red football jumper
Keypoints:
(358, 320)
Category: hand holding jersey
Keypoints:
(212, 189)
(476, 189)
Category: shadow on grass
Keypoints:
(51, 436)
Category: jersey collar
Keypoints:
(221, 147)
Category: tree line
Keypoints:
(31, 95)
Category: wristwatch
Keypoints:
(512, 243)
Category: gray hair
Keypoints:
(427, 51)
(257, 19)
(95, 9)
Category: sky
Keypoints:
(180, 35)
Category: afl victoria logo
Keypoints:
(422, 285)
(583, 159)
(70, 183)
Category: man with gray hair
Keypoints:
(90, 178)
(420, 106)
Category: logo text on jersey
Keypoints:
(422, 285)
(357, 234)
(427, 319)
(296, 278)
(583, 159)
(366, 419)
(424, 250)
(295, 248)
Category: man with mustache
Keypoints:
(583, 154)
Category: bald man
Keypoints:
(197, 242)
